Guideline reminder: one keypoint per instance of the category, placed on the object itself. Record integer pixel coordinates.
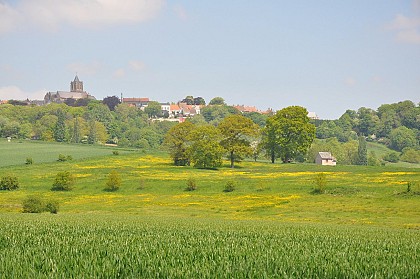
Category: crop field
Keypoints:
(132, 246)
(365, 224)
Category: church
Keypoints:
(76, 93)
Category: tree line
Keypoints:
(91, 122)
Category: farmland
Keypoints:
(272, 225)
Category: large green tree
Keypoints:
(176, 140)
(288, 133)
(205, 150)
(237, 134)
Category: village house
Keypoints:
(76, 92)
(325, 159)
(140, 103)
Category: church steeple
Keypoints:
(76, 85)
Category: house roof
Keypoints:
(72, 95)
(136, 100)
(325, 155)
(246, 108)
(175, 107)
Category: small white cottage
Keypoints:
(325, 159)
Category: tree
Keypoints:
(114, 181)
(237, 133)
(177, 144)
(402, 137)
(362, 152)
(205, 150)
(217, 101)
(63, 181)
(199, 101)
(60, 126)
(288, 133)
(153, 109)
(189, 100)
(111, 102)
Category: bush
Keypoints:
(191, 184)
(320, 182)
(62, 158)
(9, 182)
(115, 152)
(230, 186)
(52, 206)
(33, 204)
(411, 155)
(114, 182)
(63, 181)
(392, 157)
(29, 161)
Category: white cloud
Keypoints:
(119, 73)
(403, 22)
(407, 29)
(52, 14)
(15, 93)
(85, 68)
(137, 65)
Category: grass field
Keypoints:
(16, 152)
(272, 225)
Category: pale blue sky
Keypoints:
(327, 56)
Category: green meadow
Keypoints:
(365, 224)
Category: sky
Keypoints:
(325, 55)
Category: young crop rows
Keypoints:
(116, 246)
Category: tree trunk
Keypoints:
(232, 160)
(273, 156)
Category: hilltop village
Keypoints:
(170, 111)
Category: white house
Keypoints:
(325, 159)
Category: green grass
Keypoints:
(131, 246)
(282, 192)
(270, 226)
(16, 152)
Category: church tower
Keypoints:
(76, 85)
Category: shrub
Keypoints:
(52, 206)
(115, 152)
(69, 158)
(29, 161)
(9, 182)
(62, 158)
(191, 184)
(230, 186)
(114, 182)
(411, 155)
(63, 181)
(320, 182)
(392, 157)
(33, 204)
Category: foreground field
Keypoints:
(132, 246)
(272, 225)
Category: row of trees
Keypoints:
(396, 125)
(288, 134)
(91, 124)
